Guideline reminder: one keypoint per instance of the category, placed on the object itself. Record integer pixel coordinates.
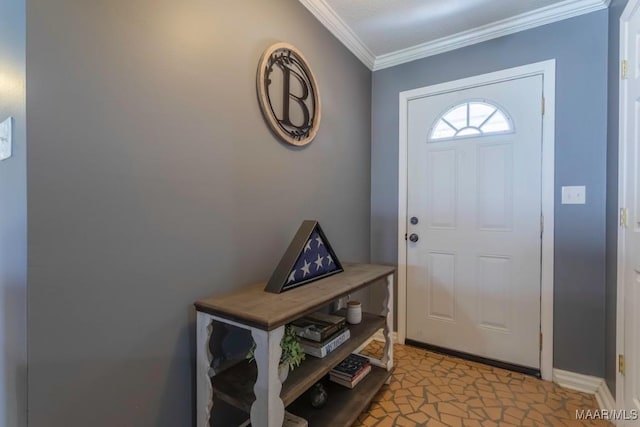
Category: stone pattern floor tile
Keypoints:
(433, 390)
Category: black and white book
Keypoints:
(321, 349)
(351, 370)
(350, 382)
(351, 365)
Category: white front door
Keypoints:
(629, 236)
(474, 206)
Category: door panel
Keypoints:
(495, 187)
(442, 179)
(494, 278)
(441, 285)
(473, 277)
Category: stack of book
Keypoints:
(351, 370)
(321, 333)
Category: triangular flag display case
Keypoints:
(308, 258)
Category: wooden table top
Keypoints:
(264, 310)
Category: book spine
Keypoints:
(350, 383)
(358, 379)
(350, 370)
(363, 371)
(317, 336)
(327, 348)
(328, 332)
(340, 339)
(307, 334)
(348, 376)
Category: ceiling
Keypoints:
(383, 33)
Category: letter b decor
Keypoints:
(288, 94)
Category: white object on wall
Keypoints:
(574, 195)
(5, 139)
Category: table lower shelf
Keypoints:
(235, 385)
(344, 405)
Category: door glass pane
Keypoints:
(471, 118)
(497, 123)
(458, 116)
(479, 112)
(469, 132)
(443, 130)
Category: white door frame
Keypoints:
(631, 7)
(547, 70)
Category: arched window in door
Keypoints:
(471, 119)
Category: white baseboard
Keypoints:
(577, 382)
(586, 384)
(604, 398)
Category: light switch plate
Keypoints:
(5, 139)
(574, 195)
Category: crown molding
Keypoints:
(536, 18)
(330, 19)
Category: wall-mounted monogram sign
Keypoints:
(288, 94)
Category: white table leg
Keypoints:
(204, 324)
(268, 409)
(387, 359)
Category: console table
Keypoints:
(256, 388)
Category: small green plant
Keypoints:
(292, 353)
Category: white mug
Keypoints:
(354, 312)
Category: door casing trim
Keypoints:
(548, 70)
(628, 12)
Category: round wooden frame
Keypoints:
(263, 98)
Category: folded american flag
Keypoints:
(314, 262)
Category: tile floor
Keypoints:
(432, 390)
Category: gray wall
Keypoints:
(153, 182)
(579, 46)
(615, 10)
(13, 220)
